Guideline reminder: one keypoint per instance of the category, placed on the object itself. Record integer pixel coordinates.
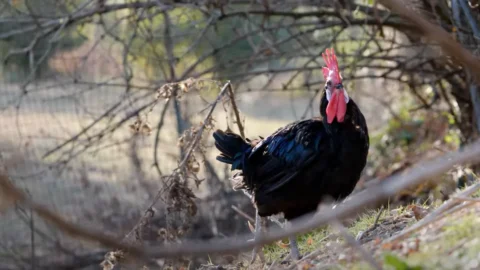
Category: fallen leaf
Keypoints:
(387, 246)
(418, 211)
(282, 244)
(310, 241)
(392, 246)
(305, 266)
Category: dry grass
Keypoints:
(451, 242)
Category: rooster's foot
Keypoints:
(294, 251)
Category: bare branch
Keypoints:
(202, 127)
(355, 204)
(60, 223)
(235, 110)
(352, 242)
(450, 46)
(435, 214)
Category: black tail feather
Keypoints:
(232, 148)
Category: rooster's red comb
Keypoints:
(332, 65)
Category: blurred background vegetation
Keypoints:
(76, 74)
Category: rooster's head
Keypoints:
(336, 94)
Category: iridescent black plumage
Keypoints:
(291, 170)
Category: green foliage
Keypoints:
(19, 65)
(144, 38)
(369, 2)
(458, 234)
(306, 243)
(364, 222)
(398, 264)
(461, 230)
(220, 50)
(476, 194)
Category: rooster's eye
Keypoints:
(339, 86)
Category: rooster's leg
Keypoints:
(294, 252)
(259, 227)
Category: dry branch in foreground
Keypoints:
(350, 207)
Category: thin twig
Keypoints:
(235, 110)
(444, 39)
(310, 255)
(466, 199)
(455, 209)
(377, 218)
(149, 210)
(59, 222)
(434, 214)
(274, 263)
(374, 226)
(243, 214)
(205, 122)
(352, 242)
(458, 246)
(32, 240)
(470, 19)
(156, 162)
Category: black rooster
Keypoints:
(293, 169)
